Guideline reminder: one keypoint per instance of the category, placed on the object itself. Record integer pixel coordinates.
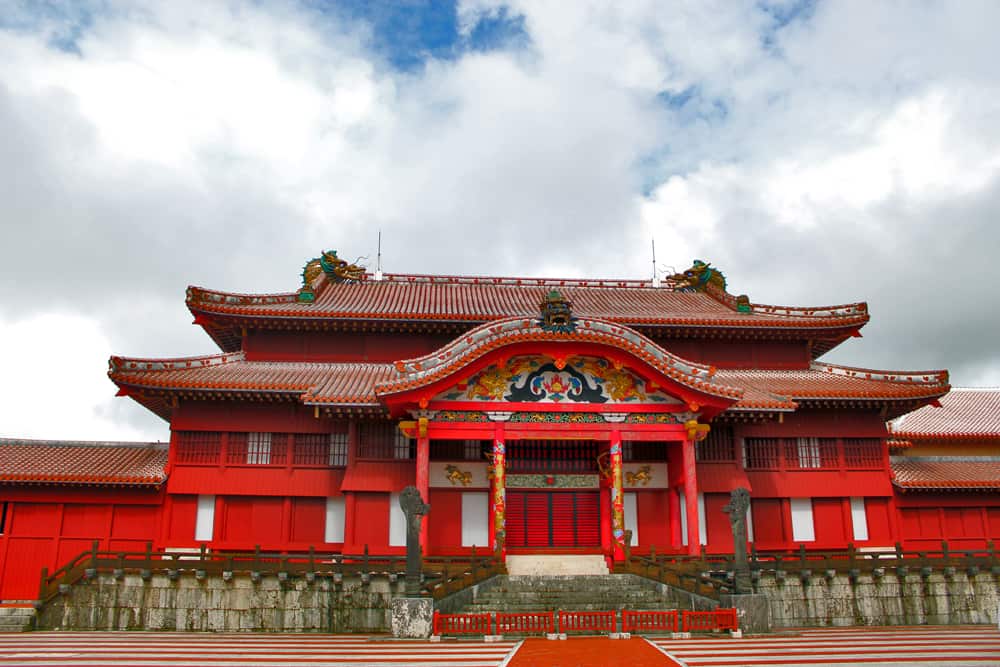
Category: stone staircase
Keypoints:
(17, 618)
(520, 594)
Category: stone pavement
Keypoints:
(947, 646)
(155, 649)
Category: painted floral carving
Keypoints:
(535, 379)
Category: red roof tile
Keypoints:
(469, 346)
(773, 388)
(481, 299)
(964, 413)
(335, 382)
(946, 473)
(86, 463)
(354, 383)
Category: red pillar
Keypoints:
(423, 474)
(673, 502)
(690, 496)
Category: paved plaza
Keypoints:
(944, 646)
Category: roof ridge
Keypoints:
(491, 335)
(118, 364)
(939, 377)
(42, 442)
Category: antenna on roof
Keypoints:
(656, 279)
(378, 261)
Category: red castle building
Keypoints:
(534, 415)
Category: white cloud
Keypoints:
(851, 154)
(56, 386)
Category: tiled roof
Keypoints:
(946, 473)
(772, 389)
(424, 370)
(354, 383)
(334, 382)
(82, 463)
(964, 413)
(482, 299)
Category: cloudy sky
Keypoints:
(817, 152)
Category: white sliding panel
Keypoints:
(475, 519)
(397, 522)
(204, 525)
(803, 528)
(702, 523)
(859, 519)
(631, 517)
(334, 531)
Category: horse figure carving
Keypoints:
(643, 476)
(456, 476)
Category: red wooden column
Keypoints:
(423, 474)
(690, 495)
(617, 497)
(499, 504)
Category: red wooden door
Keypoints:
(547, 519)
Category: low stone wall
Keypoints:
(239, 603)
(887, 599)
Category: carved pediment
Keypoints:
(540, 379)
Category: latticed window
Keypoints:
(863, 453)
(762, 453)
(338, 450)
(552, 456)
(718, 446)
(472, 450)
(644, 451)
(258, 448)
(197, 446)
(811, 453)
(383, 440)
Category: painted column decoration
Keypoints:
(423, 472)
(499, 495)
(617, 498)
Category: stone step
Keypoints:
(562, 564)
(17, 619)
(587, 606)
(581, 596)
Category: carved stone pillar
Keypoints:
(739, 502)
(414, 508)
(617, 497)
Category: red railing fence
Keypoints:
(461, 624)
(702, 621)
(526, 623)
(649, 621)
(587, 621)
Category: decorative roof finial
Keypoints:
(700, 276)
(336, 270)
(557, 314)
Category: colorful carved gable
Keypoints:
(540, 379)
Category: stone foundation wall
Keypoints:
(889, 599)
(239, 603)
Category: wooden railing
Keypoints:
(711, 574)
(441, 575)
